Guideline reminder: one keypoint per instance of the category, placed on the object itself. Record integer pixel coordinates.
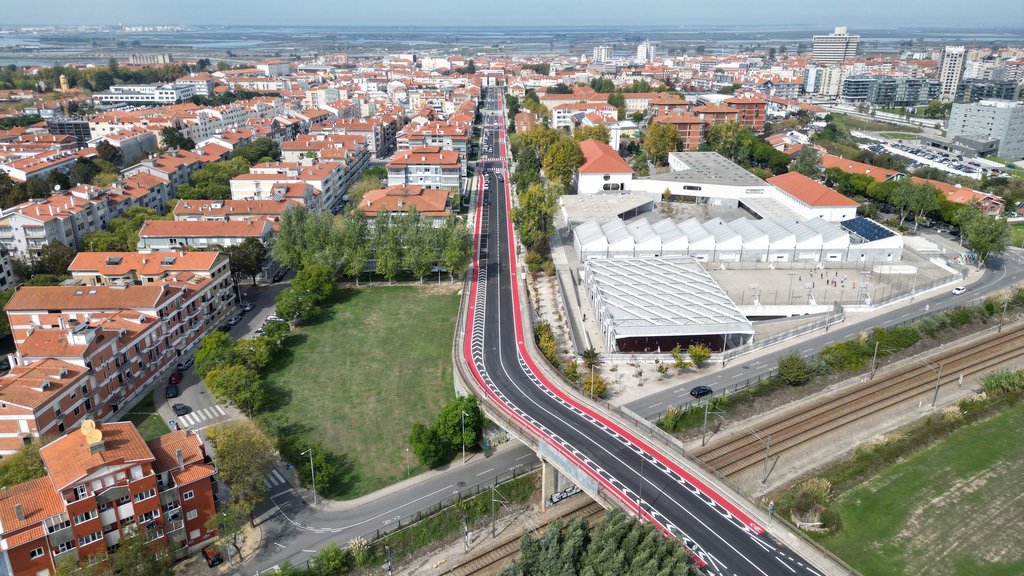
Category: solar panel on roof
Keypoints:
(866, 229)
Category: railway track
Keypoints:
(493, 560)
(802, 424)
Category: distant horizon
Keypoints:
(866, 14)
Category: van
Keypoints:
(212, 556)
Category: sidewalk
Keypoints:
(454, 467)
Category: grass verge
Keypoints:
(358, 376)
(901, 135)
(146, 418)
(952, 508)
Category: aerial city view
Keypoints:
(512, 289)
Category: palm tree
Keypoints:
(590, 358)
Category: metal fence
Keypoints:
(404, 522)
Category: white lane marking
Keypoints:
(486, 471)
(655, 405)
(309, 551)
(186, 420)
(221, 410)
(523, 456)
(385, 514)
(268, 484)
(278, 544)
(277, 475)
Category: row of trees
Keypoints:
(122, 233)
(459, 423)
(616, 545)
(94, 79)
(741, 145)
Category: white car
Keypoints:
(959, 290)
(234, 320)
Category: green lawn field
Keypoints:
(146, 419)
(356, 379)
(954, 509)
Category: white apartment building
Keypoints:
(427, 166)
(836, 47)
(603, 54)
(951, 71)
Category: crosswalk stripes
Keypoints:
(273, 479)
(202, 414)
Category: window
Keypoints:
(89, 539)
(188, 495)
(149, 516)
(145, 495)
(191, 514)
(64, 547)
(81, 491)
(85, 516)
(35, 553)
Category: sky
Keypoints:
(823, 13)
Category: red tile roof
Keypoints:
(600, 158)
(809, 191)
(68, 458)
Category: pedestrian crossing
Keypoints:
(274, 479)
(201, 415)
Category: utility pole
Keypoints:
(1002, 317)
(640, 504)
(463, 436)
(938, 381)
(704, 434)
(312, 473)
(874, 360)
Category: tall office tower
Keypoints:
(836, 47)
(602, 54)
(951, 71)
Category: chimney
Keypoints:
(20, 512)
(181, 459)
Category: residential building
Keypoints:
(104, 480)
(836, 47)
(717, 113)
(134, 143)
(147, 59)
(76, 126)
(1001, 120)
(427, 166)
(603, 54)
(225, 210)
(202, 83)
(603, 170)
(328, 183)
(751, 109)
(951, 71)
(40, 164)
(645, 52)
(975, 89)
(174, 166)
(203, 235)
(889, 91)
(145, 94)
(690, 127)
(452, 136)
(433, 204)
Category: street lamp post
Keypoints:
(789, 300)
(312, 473)
(463, 436)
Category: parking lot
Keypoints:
(923, 157)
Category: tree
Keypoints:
(680, 362)
(698, 353)
(449, 422)
(594, 385)
(808, 162)
(561, 161)
(360, 188)
(428, 446)
(420, 244)
(659, 140)
(172, 138)
(255, 151)
(560, 88)
(316, 280)
(53, 258)
(323, 465)
(110, 153)
(137, 557)
(240, 384)
(457, 251)
(256, 352)
(213, 181)
(598, 132)
(276, 330)
(387, 248)
(293, 305)
(216, 350)
(230, 524)
(534, 218)
(924, 198)
(247, 258)
(5, 323)
(591, 357)
(45, 280)
(22, 466)
(354, 241)
(245, 455)
(306, 237)
(984, 235)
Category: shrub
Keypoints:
(959, 317)
(549, 267)
(847, 356)
(534, 261)
(594, 385)
(830, 520)
(893, 339)
(698, 353)
(793, 370)
(1003, 381)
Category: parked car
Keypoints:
(700, 391)
(171, 391)
(234, 320)
(212, 556)
(175, 377)
(271, 318)
(180, 409)
(185, 363)
(224, 328)
(959, 290)
(247, 306)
